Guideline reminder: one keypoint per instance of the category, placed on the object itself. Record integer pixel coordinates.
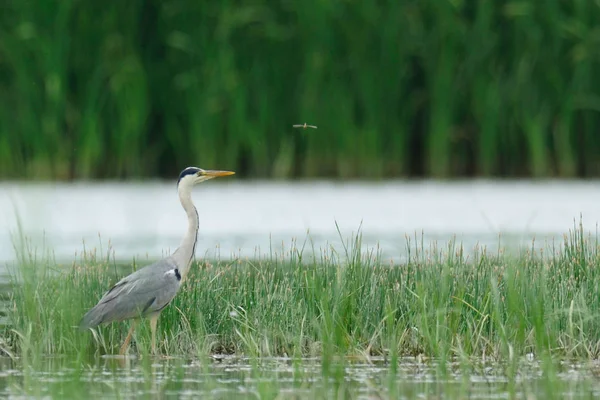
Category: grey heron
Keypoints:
(147, 291)
(304, 125)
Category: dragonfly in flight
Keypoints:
(304, 126)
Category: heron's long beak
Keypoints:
(216, 174)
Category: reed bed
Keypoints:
(397, 88)
(442, 302)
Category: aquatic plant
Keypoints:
(397, 88)
(443, 302)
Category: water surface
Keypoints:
(234, 377)
(250, 218)
(241, 218)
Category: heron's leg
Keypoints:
(153, 322)
(128, 338)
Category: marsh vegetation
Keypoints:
(422, 88)
(454, 312)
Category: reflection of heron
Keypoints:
(146, 292)
(304, 126)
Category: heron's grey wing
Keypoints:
(144, 292)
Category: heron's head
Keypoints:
(192, 175)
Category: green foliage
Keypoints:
(440, 303)
(397, 88)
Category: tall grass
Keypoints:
(397, 88)
(441, 303)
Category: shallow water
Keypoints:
(249, 218)
(145, 220)
(229, 377)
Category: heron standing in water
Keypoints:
(146, 292)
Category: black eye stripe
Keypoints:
(187, 171)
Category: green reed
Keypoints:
(442, 302)
(403, 88)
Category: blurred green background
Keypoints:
(398, 88)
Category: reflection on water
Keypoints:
(224, 377)
(246, 218)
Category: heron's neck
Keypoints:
(185, 252)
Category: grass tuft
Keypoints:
(443, 302)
